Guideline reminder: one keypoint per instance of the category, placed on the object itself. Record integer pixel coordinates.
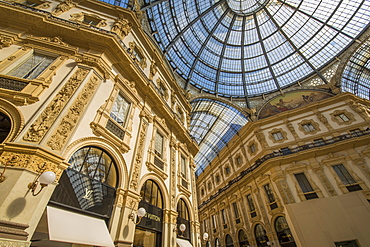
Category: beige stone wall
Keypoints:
(322, 222)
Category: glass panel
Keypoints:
(269, 193)
(236, 212)
(281, 224)
(344, 175)
(120, 110)
(88, 184)
(158, 147)
(33, 66)
(144, 238)
(251, 203)
(303, 182)
(183, 167)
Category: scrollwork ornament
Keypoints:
(70, 120)
(42, 124)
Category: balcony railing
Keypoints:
(282, 153)
(12, 83)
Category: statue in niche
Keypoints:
(63, 7)
(153, 70)
(122, 27)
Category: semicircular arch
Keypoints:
(15, 116)
(106, 146)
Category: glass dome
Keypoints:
(236, 48)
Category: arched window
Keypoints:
(5, 126)
(229, 241)
(217, 243)
(149, 231)
(151, 194)
(89, 183)
(183, 218)
(283, 232)
(243, 239)
(260, 235)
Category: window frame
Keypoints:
(127, 113)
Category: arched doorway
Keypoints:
(183, 218)
(260, 234)
(229, 241)
(243, 239)
(5, 126)
(283, 233)
(148, 232)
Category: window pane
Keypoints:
(269, 193)
(120, 110)
(303, 182)
(158, 144)
(251, 203)
(236, 212)
(344, 175)
(32, 66)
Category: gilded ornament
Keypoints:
(42, 124)
(70, 120)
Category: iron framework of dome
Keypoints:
(247, 48)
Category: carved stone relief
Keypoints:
(285, 191)
(121, 27)
(361, 163)
(324, 180)
(139, 154)
(361, 109)
(153, 70)
(5, 41)
(63, 7)
(69, 121)
(42, 124)
(173, 176)
(31, 162)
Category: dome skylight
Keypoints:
(243, 49)
(246, 7)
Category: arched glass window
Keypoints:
(217, 243)
(229, 241)
(89, 183)
(151, 194)
(243, 239)
(183, 218)
(149, 231)
(260, 235)
(5, 126)
(283, 232)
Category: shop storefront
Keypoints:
(84, 197)
(148, 232)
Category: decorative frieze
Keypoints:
(69, 121)
(33, 160)
(139, 154)
(43, 123)
(13, 243)
(63, 7)
(284, 191)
